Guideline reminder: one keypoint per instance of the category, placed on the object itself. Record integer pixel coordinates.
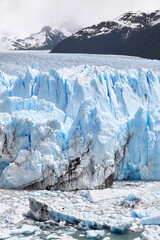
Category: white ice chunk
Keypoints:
(25, 229)
(95, 233)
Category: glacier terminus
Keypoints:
(79, 126)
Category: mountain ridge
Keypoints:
(117, 36)
(45, 39)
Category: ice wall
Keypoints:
(79, 127)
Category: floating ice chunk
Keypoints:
(131, 200)
(62, 224)
(22, 238)
(136, 227)
(151, 233)
(120, 228)
(132, 197)
(142, 213)
(100, 195)
(62, 236)
(82, 235)
(154, 219)
(95, 234)
(25, 229)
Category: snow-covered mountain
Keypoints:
(79, 127)
(46, 39)
(133, 33)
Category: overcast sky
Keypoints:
(27, 16)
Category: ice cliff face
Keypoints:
(79, 128)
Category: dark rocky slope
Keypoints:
(134, 34)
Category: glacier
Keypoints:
(79, 127)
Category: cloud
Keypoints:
(26, 16)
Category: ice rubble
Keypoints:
(79, 127)
(151, 233)
(75, 205)
(108, 213)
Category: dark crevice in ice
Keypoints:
(118, 159)
(74, 177)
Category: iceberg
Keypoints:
(79, 127)
(41, 211)
(94, 224)
(95, 234)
